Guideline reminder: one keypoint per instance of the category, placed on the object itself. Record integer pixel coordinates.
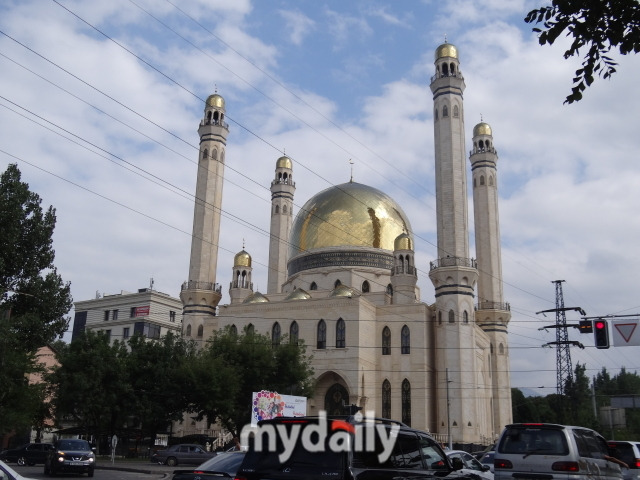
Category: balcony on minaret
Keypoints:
(453, 262)
(488, 305)
(196, 285)
(283, 181)
(214, 121)
(404, 270)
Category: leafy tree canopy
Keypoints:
(597, 25)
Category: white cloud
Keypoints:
(297, 24)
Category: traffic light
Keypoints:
(585, 326)
(601, 333)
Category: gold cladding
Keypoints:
(284, 162)
(242, 259)
(482, 129)
(215, 101)
(446, 50)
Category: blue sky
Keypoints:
(326, 82)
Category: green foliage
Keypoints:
(597, 25)
(33, 298)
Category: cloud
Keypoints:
(297, 24)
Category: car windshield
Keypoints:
(73, 445)
(534, 441)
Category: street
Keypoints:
(158, 472)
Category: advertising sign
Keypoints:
(266, 405)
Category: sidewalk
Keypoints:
(140, 465)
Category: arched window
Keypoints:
(234, 330)
(335, 399)
(465, 317)
(340, 334)
(250, 329)
(452, 68)
(405, 340)
(452, 317)
(200, 331)
(401, 261)
(406, 402)
(284, 209)
(390, 290)
(293, 333)
(386, 399)
(188, 334)
(491, 180)
(337, 284)
(474, 182)
(445, 72)
(365, 287)
(322, 335)
(386, 341)
(275, 334)
(501, 349)
(445, 111)
(481, 179)
(440, 318)
(456, 111)
(313, 286)
(205, 154)
(214, 154)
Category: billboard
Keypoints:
(266, 405)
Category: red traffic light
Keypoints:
(601, 333)
(600, 324)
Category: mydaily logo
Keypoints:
(335, 435)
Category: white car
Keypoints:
(8, 473)
(470, 464)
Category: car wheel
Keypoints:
(22, 461)
(172, 461)
(90, 472)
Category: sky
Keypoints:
(100, 104)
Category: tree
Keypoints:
(598, 25)
(578, 392)
(33, 297)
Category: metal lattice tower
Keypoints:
(564, 369)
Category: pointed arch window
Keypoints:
(277, 209)
(275, 334)
(456, 111)
(365, 287)
(322, 335)
(200, 331)
(406, 402)
(405, 340)
(386, 399)
(314, 286)
(465, 317)
(501, 349)
(214, 154)
(481, 179)
(188, 334)
(337, 284)
(452, 317)
(340, 333)
(251, 330)
(293, 333)
(390, 290)
(284, 209)
(386, 341)
(491, 180)
(205, 154)
(234, 330)
(445, 111)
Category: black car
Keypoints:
(70, 455)
(181, 454)
(225, 464)
(343, 448)
(28, 454)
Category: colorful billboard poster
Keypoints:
(266, 405)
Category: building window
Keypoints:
(322, 335)
(465, 316)
(365, 287)
(445, 111)
(386, 399)
(313, 286)
(251, 330)
(293, 333)
(172, 316)
(234, 330)
(340, 334)
(452, 317)
(108, 334)
(132, 312)
(114, 315)
(406, 402)
(275, 334)
(200, 331)
(106, 315)
(386, 341)
(188, 334)
(390, 290)
(125, 332)
(337, 284)
(405, 340)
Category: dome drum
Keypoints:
(341, 258)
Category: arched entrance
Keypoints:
(336, 399)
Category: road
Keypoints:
(144, 471)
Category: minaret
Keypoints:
(453, 274)
(241, 285)
(200, 294)
(492, 314)
(404, 276)
(282, 190)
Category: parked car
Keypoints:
(470, 464)
(70, 455)
(553, 452)
(8, 473)
(487, 459)
(28, 454)
(224, 463)
(342, 448)
(629, 453)
(182, 454)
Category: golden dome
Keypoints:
(342, 291)
(298, 294)
(403, 242)
(215, 101)
(482, 129)
(446, 50)
(284, 162)
(348, 215)
(242, 259)
(256, 297)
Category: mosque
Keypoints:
(343, 277)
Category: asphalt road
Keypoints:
(107, 471)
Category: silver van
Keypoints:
(545, 451)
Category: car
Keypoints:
(70, 455)
(182, 454)
(8, 473)
(470, 464)
(629, 453)
(553, 452)
(28, 454)
(223, 464)
(340, 448)
(487, 459)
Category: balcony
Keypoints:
(196, 285)
(453, 262)
(493, 306)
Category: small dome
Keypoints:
(342, 291)
(215, 101)
(298, 294)
(242, 259)
(482, 129)
(256, 297)
(403, 242)
(446, 50)
(284, 162)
